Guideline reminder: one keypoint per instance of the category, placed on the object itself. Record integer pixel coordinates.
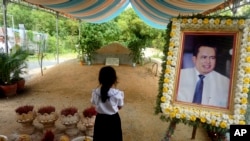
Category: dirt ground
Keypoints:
(70, 83)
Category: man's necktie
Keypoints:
(198, 90)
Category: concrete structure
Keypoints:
(113, 50)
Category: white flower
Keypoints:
(211, 21)
(236, 121)
(178, 116)
(230, 121)
(208, 121)
(244, 106)
(237, 111)
(190, 20)
(225, 117)
(237, 106)
(235, 21)
(237, 100)
(199, 21)
(236, 117)
(217, 124)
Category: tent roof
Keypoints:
(155, 13)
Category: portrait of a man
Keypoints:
(205, 74)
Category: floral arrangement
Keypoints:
(24, 109)
(46, 109)
(215, 121)
(89, 112)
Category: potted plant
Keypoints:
(47, 116)
(11, 67)
(20, 68)
(25, 115)
(6, 67)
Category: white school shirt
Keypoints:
(215, 88)
(110, 107)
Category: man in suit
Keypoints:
(215, 87)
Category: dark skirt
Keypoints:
(107, 128)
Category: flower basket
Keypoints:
(88, 121)
(25, 115)
(70, 117)
(47, 116)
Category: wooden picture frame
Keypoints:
(212, 117)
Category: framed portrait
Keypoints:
(214, 51)
(212, 55)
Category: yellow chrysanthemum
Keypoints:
(165, 89)
(193, 118)
(170, 53)
(242, 122)
(173, 26)
(183, 116)
(223, 124)
(231, 117)
(242, 111)
(203, 119)
(168, 71)
(171, 44)
(245, 90)
(163, 99)
(206, 21)
(169, 62)
(248, 59)
(243, 100)
(172, 114)
(174, 19)
(167, 110)
(248, 49)
(195, 20)
(184, 20)
(228, 21)
(246, 80)
(217, 21)
(213, 122)
(176, 110)
(241, 21)
(166, 80)
(247, 69)
(172, 34)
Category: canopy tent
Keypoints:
(155, 13)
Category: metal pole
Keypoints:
(57, 42)
(5, 26)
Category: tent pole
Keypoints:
(5, 25)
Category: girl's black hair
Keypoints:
(107, 77)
